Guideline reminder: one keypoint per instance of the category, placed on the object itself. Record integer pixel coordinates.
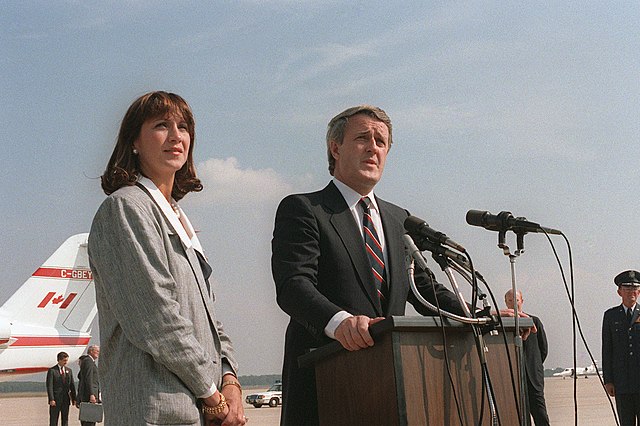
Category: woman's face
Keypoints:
(163, 146)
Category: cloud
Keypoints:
(226, 183)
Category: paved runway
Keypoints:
(593, 407)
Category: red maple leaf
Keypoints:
(57, 300)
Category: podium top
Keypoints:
(407, 324)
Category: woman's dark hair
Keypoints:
(123, 168)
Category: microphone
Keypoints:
(416, 226)
(504, 221)
(414, 252)
(437, 249)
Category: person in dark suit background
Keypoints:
(621, 349)
(60, 390)
(535, 349)
(88, 381)
(324, 278)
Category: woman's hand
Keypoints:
(212, 402)
(233, 394)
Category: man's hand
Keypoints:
(353, 332)
(52, 403)
(611, 390)
(523, 333)
(92, 399)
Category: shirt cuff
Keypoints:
(211, 391)
(334, 322)
(226, 369)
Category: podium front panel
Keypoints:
(403, 379)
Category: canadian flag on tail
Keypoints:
(57, 300)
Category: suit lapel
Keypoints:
(347, 229)
(205, 292)
(634, 315)
(189, 245)
(393, 231)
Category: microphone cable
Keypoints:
(444, 348)
(576, 324)
(476, 275)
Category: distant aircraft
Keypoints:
(590, 370)
(52, 312)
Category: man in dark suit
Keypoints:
(60, 390)
(338, 265)
(534, 349)
(88, 382)
(621, 349)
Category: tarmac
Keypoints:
(593, 406)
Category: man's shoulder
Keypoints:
(327, 195)
(613, 310)
(535, 318)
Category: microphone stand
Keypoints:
(517, 339)
(450, 262)
(411, 251)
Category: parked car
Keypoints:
(272, 397)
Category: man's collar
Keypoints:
(352, 197)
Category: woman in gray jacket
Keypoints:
(165, 358)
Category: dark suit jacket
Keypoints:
(320, 267)
(621, 350)
(535, 350)
(58, 390)
(88, 382)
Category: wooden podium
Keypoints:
(403, 380)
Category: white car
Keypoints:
(272, 397)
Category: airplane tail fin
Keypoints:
(60, 293)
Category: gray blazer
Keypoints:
(161, 345)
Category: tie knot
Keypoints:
(365, 202)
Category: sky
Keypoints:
(500, 106)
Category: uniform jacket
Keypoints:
(59, 390)
(161, 345)
(621, 350)
(320, 267)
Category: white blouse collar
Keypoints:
(171, 215)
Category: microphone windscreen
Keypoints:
(413, 224)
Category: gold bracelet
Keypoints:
(231, 383)
(207, 409)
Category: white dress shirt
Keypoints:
(352, 198)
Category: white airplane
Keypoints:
(52, 312)
(590, 370)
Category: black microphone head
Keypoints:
(476, 217)
(413, 225)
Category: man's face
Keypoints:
(63, 362)
(629, 294)
(361, 157)
(508, 300)
(95, 352)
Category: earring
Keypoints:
(135, 151)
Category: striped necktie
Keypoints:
(374, 250)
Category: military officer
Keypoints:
(621, 349)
